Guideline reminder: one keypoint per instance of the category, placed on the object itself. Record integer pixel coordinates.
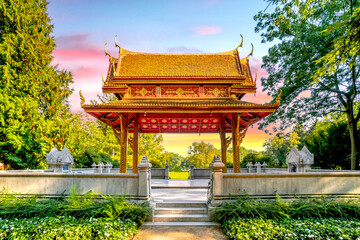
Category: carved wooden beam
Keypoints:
(228, 141)
(131, 142)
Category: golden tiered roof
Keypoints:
(190, 65)
(178, 105)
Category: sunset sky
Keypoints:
(82, 27)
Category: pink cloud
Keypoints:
(207, 30)
(87, 62)
(70, 54)
(76, 41)
(85, 72)
(260, 96)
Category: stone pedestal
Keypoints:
(191, 169)
(217, 174)
(144, 168)
(166, 171)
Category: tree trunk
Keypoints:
(352, 124)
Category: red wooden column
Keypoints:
(136, 145)
(223, 142)
(235, 117)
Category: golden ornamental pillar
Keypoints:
(238, 137)
(121, 135)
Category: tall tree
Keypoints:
(310, 33)
(33, 93)
(330, 143)
(278, 147)
(201, 154)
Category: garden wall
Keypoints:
(56, 184)
(287, 185)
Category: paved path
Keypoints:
(179, 190)
(179, 233)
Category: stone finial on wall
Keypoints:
(250, 167)
(212, 162)
(59, 160)
(217, 165)
(299, 161)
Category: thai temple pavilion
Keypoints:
(179, 93)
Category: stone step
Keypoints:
(191, 210)
(189, 224)
(181, 218)
(180, 204)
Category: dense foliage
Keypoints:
(88, 216)
(33, 93)
(321, 218)
(316, 62)
(62, 227)
(86, 206)
(296, 209)
(261, 229)
(201, 154)
(328, 140)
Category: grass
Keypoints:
(179, 175)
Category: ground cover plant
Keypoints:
(88, 216)
(302, 218)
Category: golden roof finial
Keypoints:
(103, 80)
(252, 51)
(242, 41)
(106, 52)
(116, 44)
(82, 99)
(255, 79)
(278, 98)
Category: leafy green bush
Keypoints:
(80, 206)
(297, 209)
(258, 228)
(62, 227)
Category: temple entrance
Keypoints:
(179, 93)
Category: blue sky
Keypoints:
(83, 26)
(205, 25)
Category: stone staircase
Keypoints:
(181, 214)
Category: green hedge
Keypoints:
(90, 205)
(258, 228)
(301, 208)
(319, 218)
(88, 216)
(62, 227)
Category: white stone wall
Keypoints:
(54, 184)
(265, 185)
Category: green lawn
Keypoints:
(179, 175)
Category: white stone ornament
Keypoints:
(59, 160)
(299, 161)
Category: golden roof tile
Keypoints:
(163, 65)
